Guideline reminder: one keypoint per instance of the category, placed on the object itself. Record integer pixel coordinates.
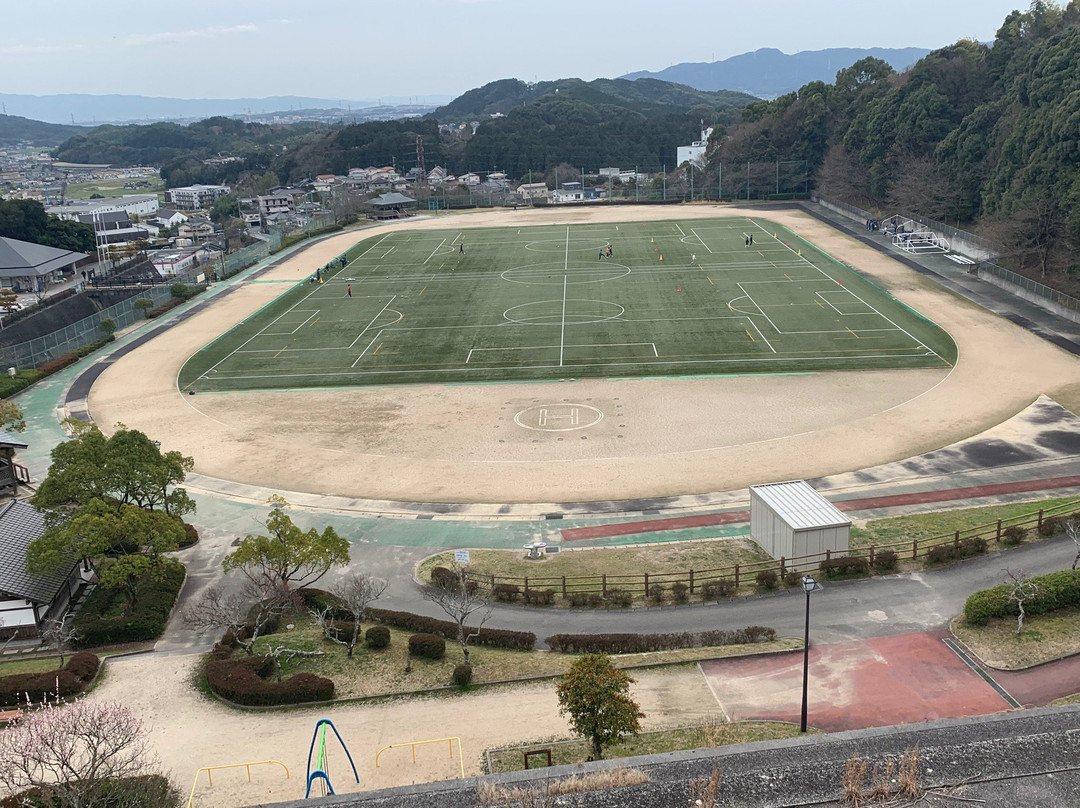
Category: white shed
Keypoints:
(791, 520)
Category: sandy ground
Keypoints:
(658, 437)
(189, 731)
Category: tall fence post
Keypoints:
(1038, 526)
(998, 536)
(691, 582)
(646, 584)
(956, 539)
(603, 585)
(914, 548)
(564, 586)
(736, 576)
(871, 555)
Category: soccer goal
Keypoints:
(913, 236)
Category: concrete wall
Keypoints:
(1030, 297)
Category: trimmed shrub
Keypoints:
(441, 576)
(242, 681)
(642, 643)
(792, 578)
(377, 637)
(590, 600)
(319, 600)
(844, 567)
(154, 599)
(767, 579)
(191, 535)
(886, 561)
(17, 689)
(656, 594)
(540, 597)
(507, 593)
(1056, 590)
(720, 588)
(1051, 526)
(427, 646)
(680, 592)
(943, 553)
(462, 675)
(489, 637)
(619, 597)
(1014, 535)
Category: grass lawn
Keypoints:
(373, 673)
(29, 665)
(1045, 637)
(881, 532)
(674, 298)
(703, 736)
(631, 562)
(114, 188)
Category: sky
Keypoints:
(372, 49)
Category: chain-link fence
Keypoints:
(37, 351)
(1040, 290)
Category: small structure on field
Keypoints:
(792, 520)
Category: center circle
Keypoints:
(557, 312)
(561, 417)
(570, 273)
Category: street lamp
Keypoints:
(809, 585)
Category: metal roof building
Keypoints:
(792, 520)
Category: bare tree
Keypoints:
(246, 612)
(354, 594)
(1072, 530)
(60, 632)
(76, 753)
(460, 598)
(279, 652)
(1022, 588)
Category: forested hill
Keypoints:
(647, 96)
(14, 129)
(989, 136)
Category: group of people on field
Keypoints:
(604, 252)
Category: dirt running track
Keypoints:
(660, 437)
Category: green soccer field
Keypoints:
(674, 298)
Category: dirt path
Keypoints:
(660, 437)
(189, 731)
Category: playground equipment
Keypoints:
(414, 744)
(320, 772)
(211, 769)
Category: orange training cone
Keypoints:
(678, 288)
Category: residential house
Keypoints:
(170, 217)
(280, 200)
(529, 191)
(469, 179)
(27, 601)
(569, 192)
(437, 176)
(197, 228)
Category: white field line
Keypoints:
(918, 343)
(545, 347)
(361, 356)
(372, 247)
(748, 358)
(566, 266)
(435, 251)
(699, 238)
(373, 319)
(763, 314)
(755, 325)
(681, 233)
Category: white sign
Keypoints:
(461, 556)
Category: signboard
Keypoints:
(200, 278)
(461, 556)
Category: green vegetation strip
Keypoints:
(646, 743)
(1044, 638)
(382, 672)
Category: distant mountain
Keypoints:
(14, 129)
(768, 73)
(142, 109)
(648, 97)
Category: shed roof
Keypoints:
(24, 258)
(390, 199)
(799, 505)
(20, 524)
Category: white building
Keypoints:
(141, 205)
(570, 192)
(695, 152)
(195, 197)
(532, 190)
(791, 520)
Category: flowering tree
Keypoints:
(80, 755)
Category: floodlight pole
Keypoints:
(809, 585)
(720, 182)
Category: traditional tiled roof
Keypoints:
(21, 524)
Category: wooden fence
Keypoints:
(639, 584)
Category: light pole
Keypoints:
(809, 585)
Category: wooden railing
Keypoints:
(638, 584)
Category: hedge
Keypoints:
(154, 599)
(19, 688)
(489, 637)
(844, 567)
(191, 536)
(242, 681)
(943, 553)
(641, 643)
(427, 646)
(1056, 590)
